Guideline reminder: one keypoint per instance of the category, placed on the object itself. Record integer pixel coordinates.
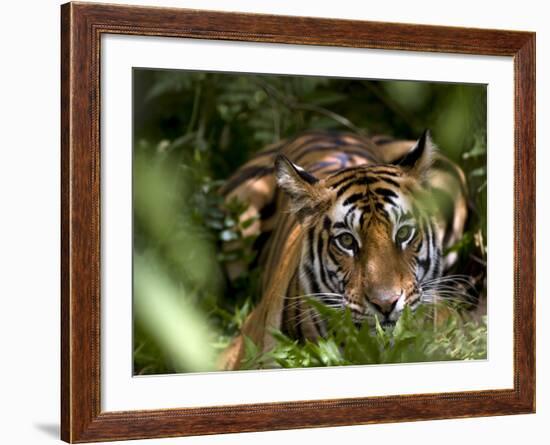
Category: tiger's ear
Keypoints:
(418, 160)
(307, 195)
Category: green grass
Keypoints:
(415, 338)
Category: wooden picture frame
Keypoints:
(82, 26)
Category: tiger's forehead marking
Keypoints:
(364, 192)
(370, 173)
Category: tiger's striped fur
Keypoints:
(355, 222)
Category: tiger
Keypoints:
(356, 222)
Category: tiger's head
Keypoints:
(370, 240)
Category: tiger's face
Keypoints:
(369, 242)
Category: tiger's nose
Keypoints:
(385, 303)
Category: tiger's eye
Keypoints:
(403, 234)
(347, 241)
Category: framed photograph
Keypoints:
(275, 222)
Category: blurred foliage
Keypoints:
(192, 130)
